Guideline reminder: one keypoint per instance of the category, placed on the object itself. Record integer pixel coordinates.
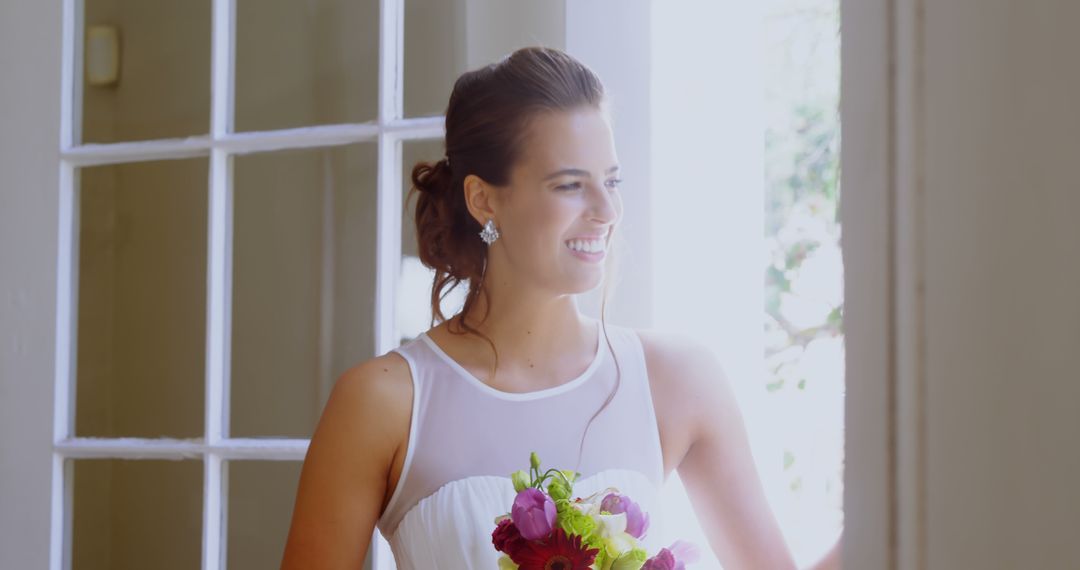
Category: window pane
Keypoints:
(142, 299)
(163, 86)
(137, 514)
(303, 283)
(444, 39)
(414, 291)
(306, 63)
(261, 497)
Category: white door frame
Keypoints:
(882, 192)
(30, 32)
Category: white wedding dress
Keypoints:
(466, 438)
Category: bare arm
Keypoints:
(343, 482)
(718, 470)
(720, 476)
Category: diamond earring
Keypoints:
(489, 233)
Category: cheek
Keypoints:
(549, 221)
(540, 224)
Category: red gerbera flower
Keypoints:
(506, 538)
(557, 552)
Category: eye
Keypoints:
(614, 182)
(571, 186)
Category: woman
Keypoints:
(420, 441)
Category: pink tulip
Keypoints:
(533, 513)
(675, 557)
(684, 552)
(637, 522)
(664, 560)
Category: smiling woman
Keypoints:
(525, 209)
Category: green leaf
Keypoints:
(836, 316)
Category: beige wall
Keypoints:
(1002, 228)
(978, 175)
(494, 28)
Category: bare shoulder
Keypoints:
(680, 362)
(344, 479)
(376, 396)
(673, 354)
(687, 377)
(385, 379)
(375, 393)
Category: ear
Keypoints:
(480, 199)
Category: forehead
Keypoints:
(581, 138)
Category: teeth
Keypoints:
(588, 246)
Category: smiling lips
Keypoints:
(586, 245)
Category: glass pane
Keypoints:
(261, 498)
(162, 88)
(444, 39)
(414, 287)
(303, 283)
(137, 514)
(306, 63)
(142, 299)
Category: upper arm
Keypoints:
(343, 481)
(718, 470)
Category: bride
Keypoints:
(420, 441)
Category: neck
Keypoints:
(531, 326)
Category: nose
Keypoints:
(605, 204)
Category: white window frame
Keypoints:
(216, 448)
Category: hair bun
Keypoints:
(432, 178)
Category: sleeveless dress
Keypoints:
(466, 438)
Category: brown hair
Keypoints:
(487, 120)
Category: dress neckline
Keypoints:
(519, 396)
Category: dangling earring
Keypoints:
(489, 233)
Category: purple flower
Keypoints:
(664, 560)
(533, 513)
(674, 557)
(684, 552)
(637, 522)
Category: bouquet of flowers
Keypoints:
(547, 529)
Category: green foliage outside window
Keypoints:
(803, 268)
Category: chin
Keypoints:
(587, 285)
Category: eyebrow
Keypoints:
(577, 172)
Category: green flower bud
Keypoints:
(633, 559)
(576, 522)
(558, 489)
(534, 460)
(520, 479)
